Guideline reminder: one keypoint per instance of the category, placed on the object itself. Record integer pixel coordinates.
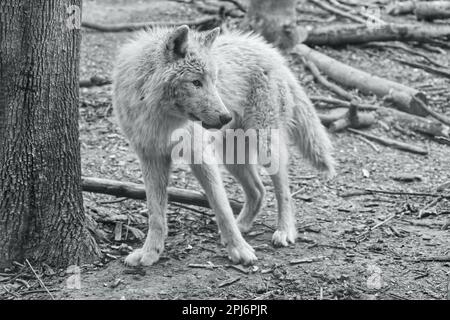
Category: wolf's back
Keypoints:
(240, 56)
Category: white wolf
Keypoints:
(166, 79)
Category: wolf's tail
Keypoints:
(309, 134)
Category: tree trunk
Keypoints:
(41, 205)
(276, 21)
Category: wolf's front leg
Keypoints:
(239, 250)
(155, 171)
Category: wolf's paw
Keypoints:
(282, 238)
(242, 253)
(243, 226)
(139, 257)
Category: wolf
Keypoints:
(171, 78)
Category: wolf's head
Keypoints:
(191, 76)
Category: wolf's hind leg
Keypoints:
(156, 175)
(286, 230)
(248, 177)
(239, 250)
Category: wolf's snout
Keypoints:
(225, 118)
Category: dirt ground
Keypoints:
(339, 262)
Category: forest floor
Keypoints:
(340, 262)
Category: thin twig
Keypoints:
(337, 11)
(435, 115)
(378, 225)
(39, 279)
(192, 209)
(422, 211)
(228, 282)
(443, 186)
(370, 143)
(418, 194)
(237, 4)
(441, 72)
(322, 80)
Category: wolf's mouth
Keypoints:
(194, 117)
(204, 125)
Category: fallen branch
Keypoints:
(338, 35)
(346, 75)
(206, 23)
(342, 103)
(391, 143)
(137, 191)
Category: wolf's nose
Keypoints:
(225, 118)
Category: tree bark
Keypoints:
(41, 205)
(276, 21)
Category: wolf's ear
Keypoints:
(211, 36)
(176, 46)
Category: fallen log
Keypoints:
(206, 23)
(414, 123)
(432, 10)
(342, 34)
(391, 143)
(94, 81)
(402, 96)
(137, 191)
(341, 118)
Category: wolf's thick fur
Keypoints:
(166, 77)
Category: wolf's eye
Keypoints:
(197, 83)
